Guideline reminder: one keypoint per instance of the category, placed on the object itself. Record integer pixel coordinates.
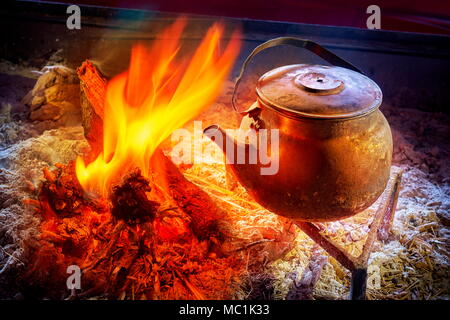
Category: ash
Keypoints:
(412, 264)
(26, 148)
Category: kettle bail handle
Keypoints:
(296, 42)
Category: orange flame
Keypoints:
(155, 96)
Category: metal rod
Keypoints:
(358, 285)
(336, 252)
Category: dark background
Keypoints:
(424, 16)
(412, 69)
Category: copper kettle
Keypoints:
(335, 145)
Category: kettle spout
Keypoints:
(242, 152)
(224, 140)
(236, 152)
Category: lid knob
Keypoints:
(319, 82)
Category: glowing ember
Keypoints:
(155, 96)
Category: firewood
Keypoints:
(93, 85)
(61, 191)
(129, 200)
(190, 198)
(92, 96)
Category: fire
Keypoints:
(156, 95)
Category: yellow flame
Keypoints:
(155, 96)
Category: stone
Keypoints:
(55, 96)
(46, 112)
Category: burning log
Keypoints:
(92, 97)
(129, 200)
(61, 192)
(194, 201)
(93, 85)
(203, 211)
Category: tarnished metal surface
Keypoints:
(329, 169)
(318, 91)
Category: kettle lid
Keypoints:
(316, 91)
